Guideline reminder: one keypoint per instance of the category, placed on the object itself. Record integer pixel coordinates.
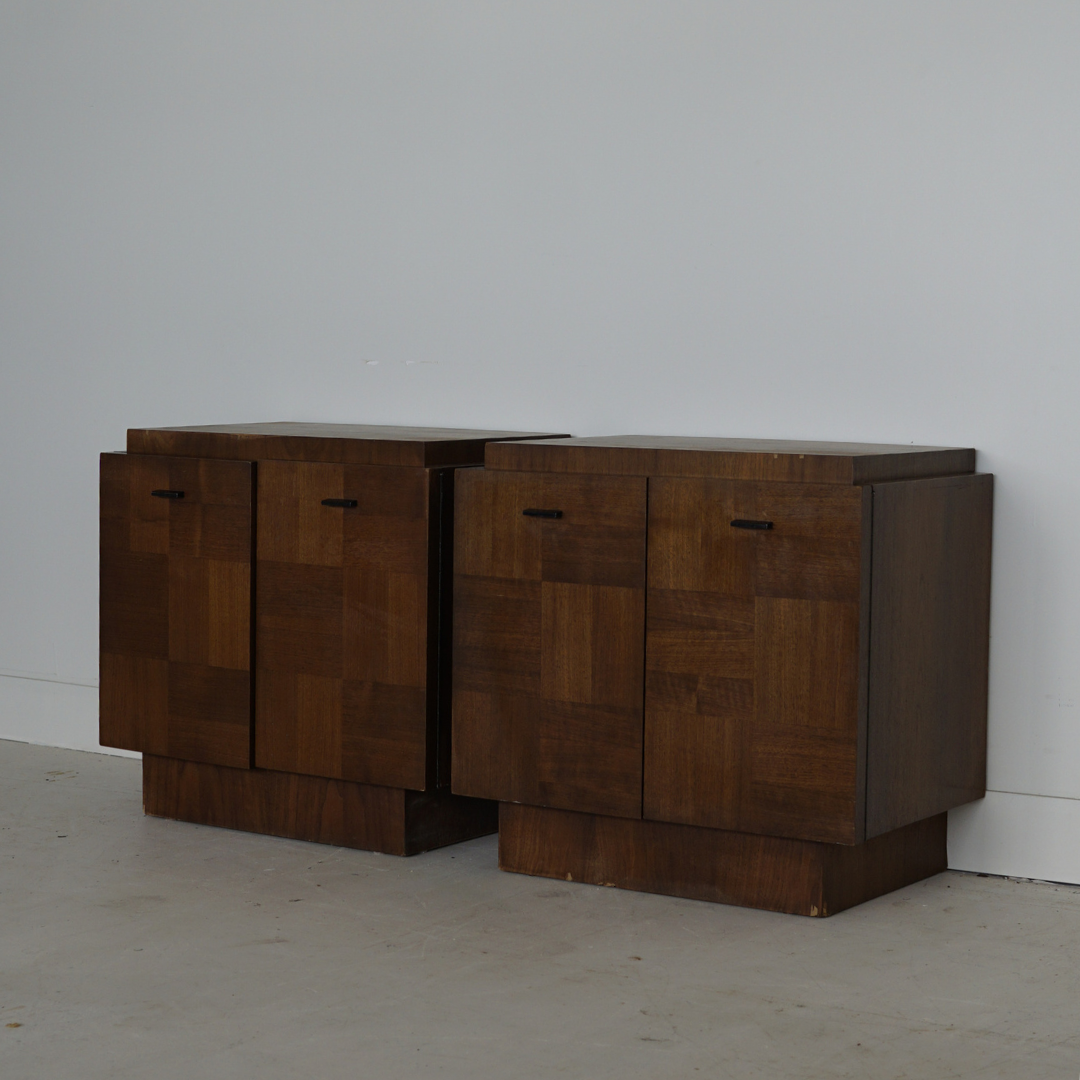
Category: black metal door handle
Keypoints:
(542, 513)
(745, 523)
(345, 504)
(161, 493)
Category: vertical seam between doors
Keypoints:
(869, 666)
(252, 610)
(644, 647)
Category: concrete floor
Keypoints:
(133, 947)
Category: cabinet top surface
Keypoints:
(707, 444)
(377, 432)
(349, 443)
(748, 459)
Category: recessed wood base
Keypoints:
(392, 820)
(801, 877)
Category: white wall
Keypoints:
(841, 220)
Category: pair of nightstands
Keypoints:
(740, 671)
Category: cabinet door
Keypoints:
(176, 607)
(342, 622)
(548, 639)
(755, 676)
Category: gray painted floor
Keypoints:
(132, 947)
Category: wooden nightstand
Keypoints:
(275, 628)
(735, 670)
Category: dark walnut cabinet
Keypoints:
(275, 628)
(753, 672)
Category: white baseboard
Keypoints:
(51, 714)
(1031, 836)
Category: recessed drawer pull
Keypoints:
(744, 523)
(345, 504)
(161, 493)
(542, 513)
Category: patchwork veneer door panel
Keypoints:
(755, 665)
(549, 608)
(175, 627)
(343, 621)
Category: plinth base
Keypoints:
(802, 877)
(341, 812)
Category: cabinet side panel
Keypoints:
(929, 648)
